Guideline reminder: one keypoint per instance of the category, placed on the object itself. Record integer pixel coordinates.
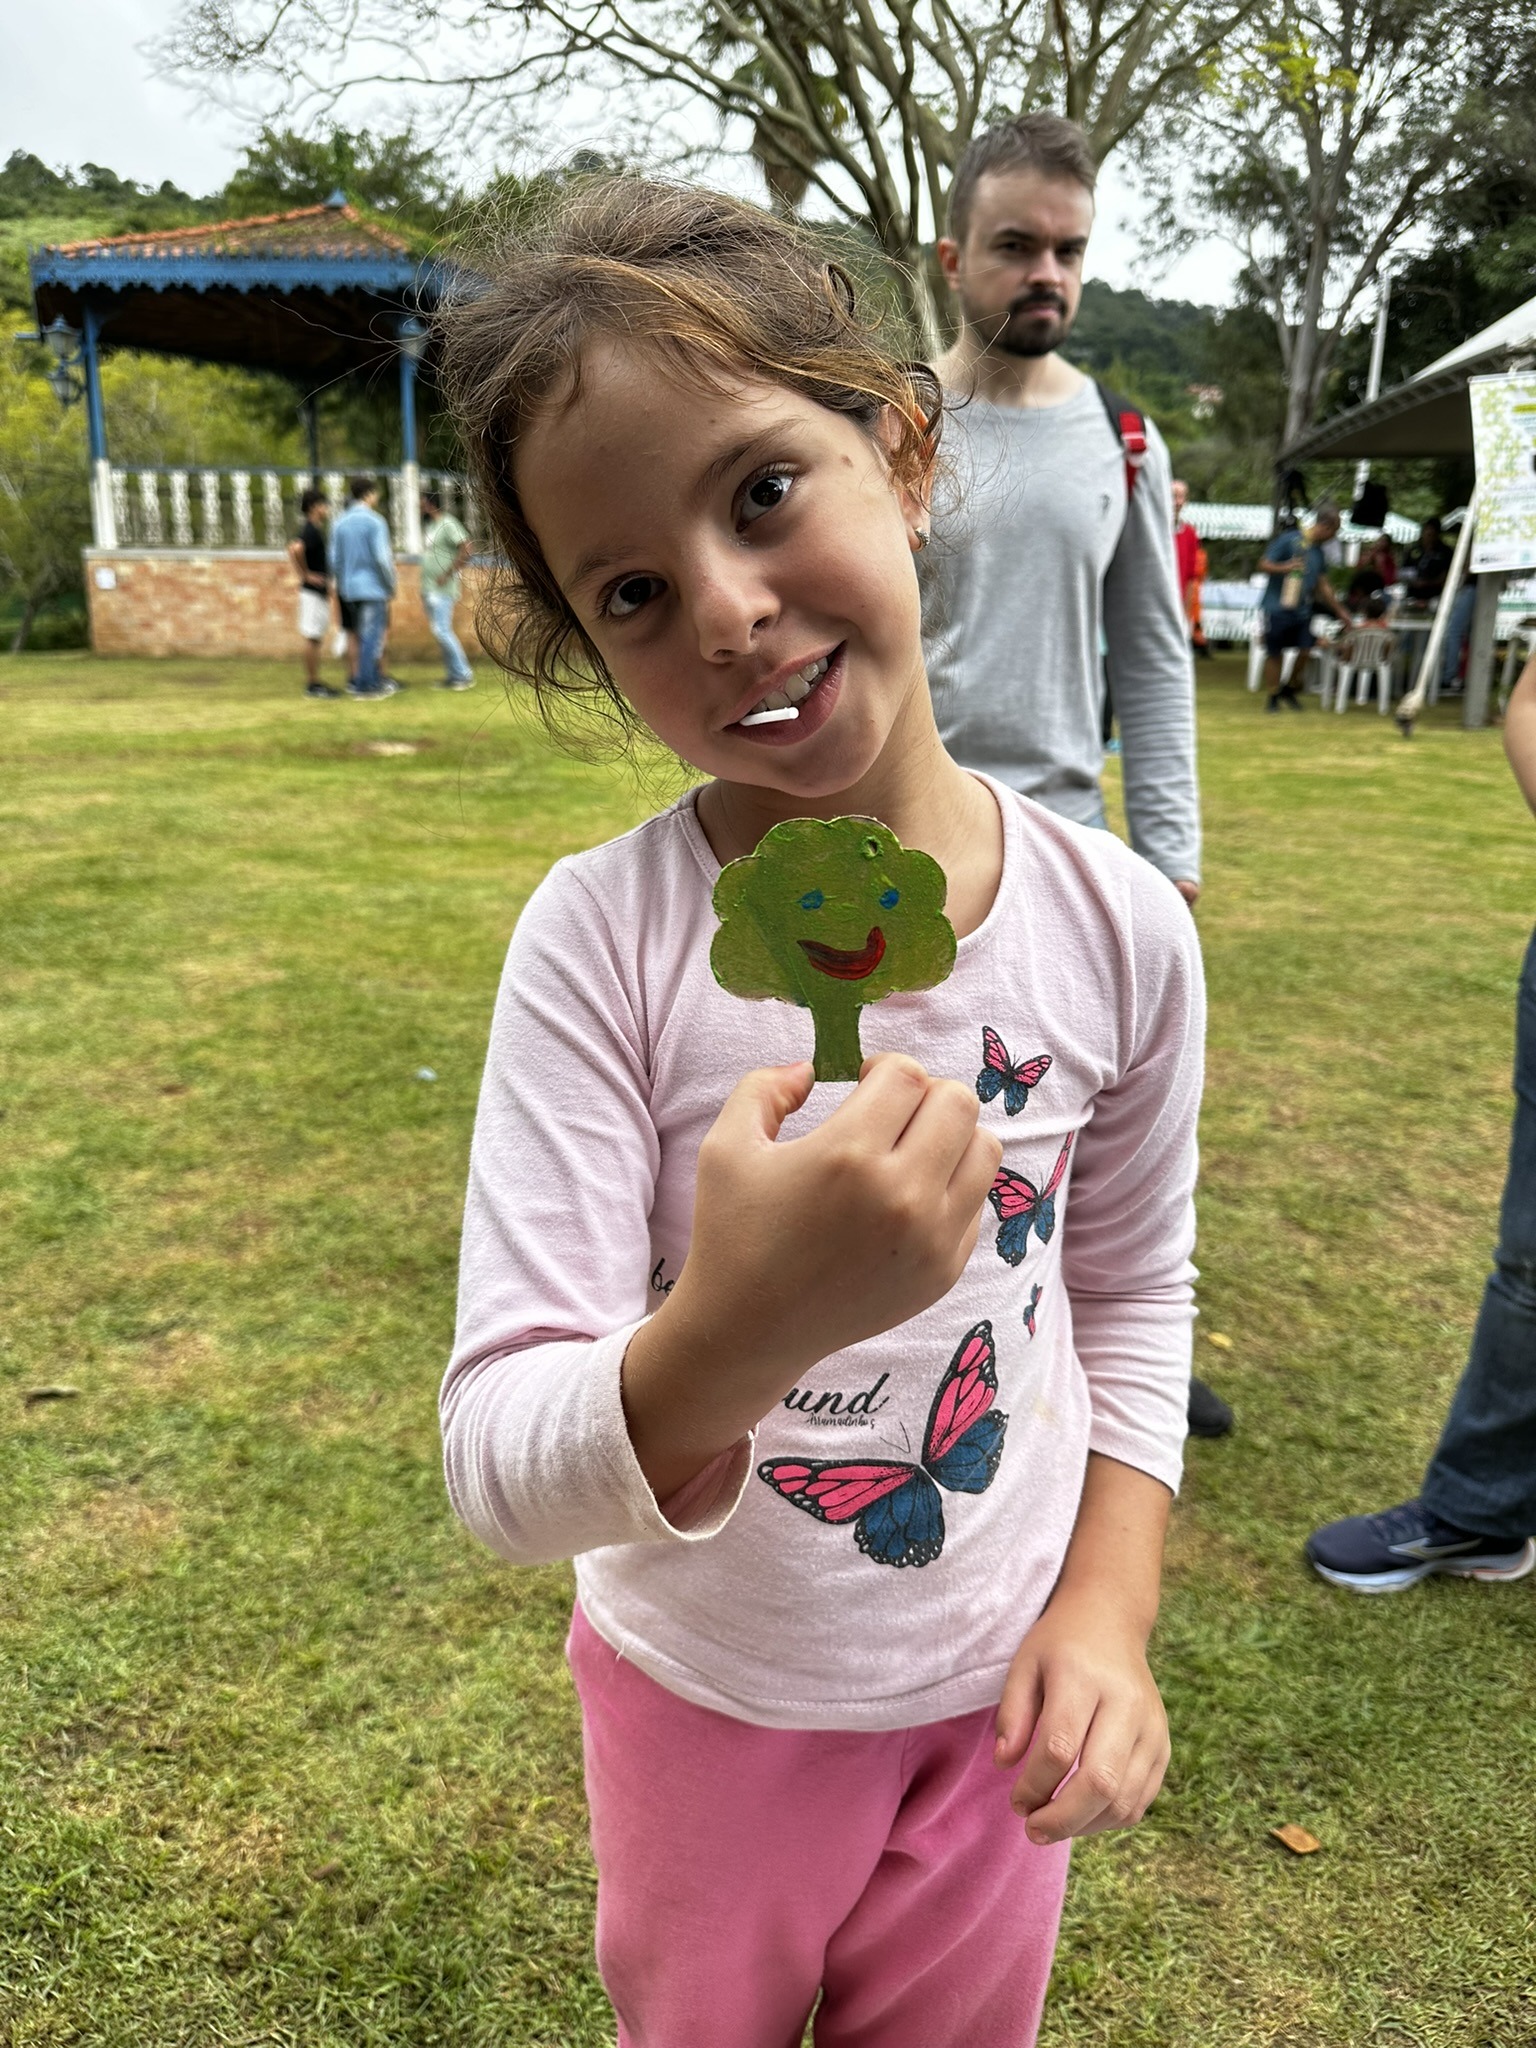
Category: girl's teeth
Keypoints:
(794, 692)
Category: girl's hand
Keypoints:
(1080, 1690)
(803, 1246)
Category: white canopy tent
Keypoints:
(1431, 414)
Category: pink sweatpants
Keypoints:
(742, 1869)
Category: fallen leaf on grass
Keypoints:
(1215, 1337)
(1296, 1839)
(35, 1394)
(326, 1871)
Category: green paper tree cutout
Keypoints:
(831, 914)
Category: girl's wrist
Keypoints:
(694, 1384)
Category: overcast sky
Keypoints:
(77, 87)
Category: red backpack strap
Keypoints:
(1130, 427)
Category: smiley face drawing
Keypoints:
(831, 914)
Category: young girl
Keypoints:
(859, 1408)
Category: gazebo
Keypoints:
(313, 294)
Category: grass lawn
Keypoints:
(285, 1759)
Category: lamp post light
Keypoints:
(63, 344)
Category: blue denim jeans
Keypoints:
(439, 609)
(372, 616)
(1483, 1475)
(1458, 626)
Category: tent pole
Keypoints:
(1413, 703)
(1485, 624)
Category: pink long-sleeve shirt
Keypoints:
(872, 1557)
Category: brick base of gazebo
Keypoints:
(166, 601)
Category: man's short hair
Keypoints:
(1034, 142)
(311, 498)
(1327, 511)
(434, 499)
(360, 486)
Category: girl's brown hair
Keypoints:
(718, 289)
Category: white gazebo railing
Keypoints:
(159, 506)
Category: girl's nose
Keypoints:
(732, 608)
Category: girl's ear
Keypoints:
(909, 459)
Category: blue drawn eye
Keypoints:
(891, 898)
(812, 900)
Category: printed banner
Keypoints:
(1504, 441)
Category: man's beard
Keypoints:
(1025, 332)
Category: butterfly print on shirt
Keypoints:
(896, 1510)
(1022, 1207)
(1031, 1305)
(1000, 1076)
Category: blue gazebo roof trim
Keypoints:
(127, 270)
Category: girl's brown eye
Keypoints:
(765, 495)
(627, 597)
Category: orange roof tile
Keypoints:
(331, 230)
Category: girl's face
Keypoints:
(727, 550)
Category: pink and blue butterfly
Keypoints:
(1022, 1207)
(1001, 1075)
(896, 1510)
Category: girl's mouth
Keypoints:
(843, 965)
(785, 716)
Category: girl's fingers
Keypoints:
(1060, 1731)
(1106, 1789)
(1016, 1713)
(892, 1089)
(761, 1100)
(1143, 1783)
(935, 1141)
(975, 1173)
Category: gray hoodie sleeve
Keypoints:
(1151, 677)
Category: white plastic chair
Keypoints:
(1364, 660)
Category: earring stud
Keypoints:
(920, 535)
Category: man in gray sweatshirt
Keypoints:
(1052, 554)
(1051, 561)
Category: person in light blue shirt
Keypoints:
(1297, 568)
(363, 564)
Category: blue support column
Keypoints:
(407, 409)
(410, 474)
(103, 514)
(95, 411)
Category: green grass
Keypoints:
(284, 1758)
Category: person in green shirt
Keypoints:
(444, 551)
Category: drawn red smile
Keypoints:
(843, 965)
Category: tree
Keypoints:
(863, 106)
(1328, 135)
(1479, 262)
(44, 521)
(831, 916)
(398, 175)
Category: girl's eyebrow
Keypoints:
(741, 451)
